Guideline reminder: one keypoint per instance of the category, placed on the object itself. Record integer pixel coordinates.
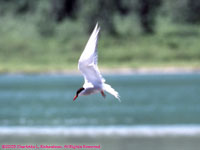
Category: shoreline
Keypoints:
(152, 70)
(118, 71)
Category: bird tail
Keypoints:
(110, 90)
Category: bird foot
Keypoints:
(103, 94)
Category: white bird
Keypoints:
(94, 82)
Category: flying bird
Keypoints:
(87, 65)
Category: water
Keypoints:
(40, 108)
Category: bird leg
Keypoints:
(103, 94)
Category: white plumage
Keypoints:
(94, 82)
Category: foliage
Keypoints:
(103, 11)
(88, 11)
(185, 11)
(99, 11)
(193, 14)
(147, 11)
(33, 38)
(24, 49)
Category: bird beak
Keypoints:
(75, 98)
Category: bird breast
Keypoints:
(89, 91)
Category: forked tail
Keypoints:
(110, 90)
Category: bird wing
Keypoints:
(88, 61)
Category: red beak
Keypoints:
(75, 98)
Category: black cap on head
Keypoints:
(79, 90)
(77, 93)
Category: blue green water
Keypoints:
(157, 112)
(47, 100)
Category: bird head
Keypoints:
(77, 93)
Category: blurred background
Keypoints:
(48, 35)
(40, 44)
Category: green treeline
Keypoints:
(104, 11)
(49, 35)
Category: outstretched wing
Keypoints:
(88, 61)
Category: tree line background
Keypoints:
(43, 35)
(103, 11)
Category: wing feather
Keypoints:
(89, 59)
